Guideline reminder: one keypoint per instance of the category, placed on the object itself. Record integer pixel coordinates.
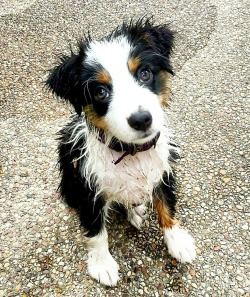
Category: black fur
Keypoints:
(166, 192)
(73, 187)
(65, 82)
(158, 38)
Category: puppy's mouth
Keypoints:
(148, 134)
(145, 137)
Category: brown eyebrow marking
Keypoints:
(96, 120)
(133, 64)
(103, 77)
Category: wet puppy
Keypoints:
(117, 147)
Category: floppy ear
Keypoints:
(64, 80)
(161, 37)
(161, 40)
(156, 38)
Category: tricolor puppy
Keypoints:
(117, 146)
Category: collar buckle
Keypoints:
(135, 149)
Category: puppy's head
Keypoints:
(120, 82)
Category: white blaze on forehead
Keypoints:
(112, 55)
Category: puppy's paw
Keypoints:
(137, 215)
(104, 270)
(180, 244)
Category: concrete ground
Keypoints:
(41, 246)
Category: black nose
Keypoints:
(141, 120)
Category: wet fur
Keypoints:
(90, 180)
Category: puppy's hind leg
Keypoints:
(180, 243)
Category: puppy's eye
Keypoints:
(101, 94)
(145, 76)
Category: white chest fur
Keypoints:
(130, 181)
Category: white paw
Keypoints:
(136, 215)
(180, 244)
(104, 270)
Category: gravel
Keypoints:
(41, 243)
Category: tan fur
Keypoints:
(133, 64)
(75, 163)
(103, 77)
(165, 94)
(164, 217)
(93, 117)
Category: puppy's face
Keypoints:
(120, 82)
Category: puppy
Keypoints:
(117, 148)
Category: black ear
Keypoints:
(64, 80)
(160, 37)
(161, 40)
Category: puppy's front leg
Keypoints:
(101, 265)
(180, 243)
